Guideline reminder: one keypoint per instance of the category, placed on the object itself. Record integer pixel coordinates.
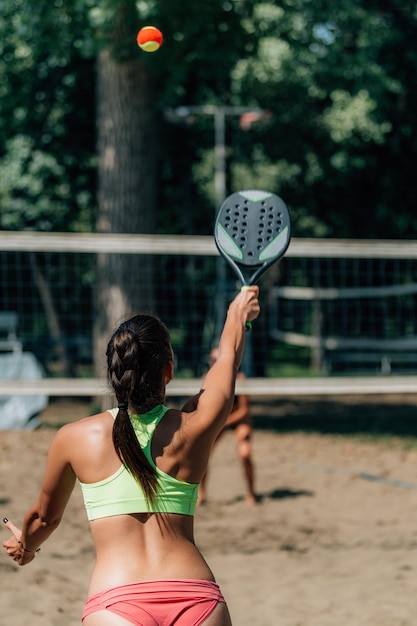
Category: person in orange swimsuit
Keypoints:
(240, 421)
(139, 466)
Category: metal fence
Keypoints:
(338, 316)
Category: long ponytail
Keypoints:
(137, 355)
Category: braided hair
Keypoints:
(137, 355)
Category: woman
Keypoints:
(139, 467)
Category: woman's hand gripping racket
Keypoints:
(252, 231)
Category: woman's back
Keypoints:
(134, 546)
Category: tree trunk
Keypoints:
(126, 192)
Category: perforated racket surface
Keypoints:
(252, 231)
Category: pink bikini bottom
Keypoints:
(159, 602)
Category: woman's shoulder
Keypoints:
(96, 424)
(82, 440)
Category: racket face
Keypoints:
(252, 231)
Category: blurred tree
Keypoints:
(46, 173)
(47, 138)
(127, 158)
(84, 142)
(340, 82)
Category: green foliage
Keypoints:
(334, 76)
(203, 41)
(115, 23)
(46, 121)
(337, 81)
(351, 116)
(34, 194)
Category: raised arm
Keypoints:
(216, 399)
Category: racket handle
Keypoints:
(248, 325)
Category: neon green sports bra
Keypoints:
(121, 494)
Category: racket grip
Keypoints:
(248, 325)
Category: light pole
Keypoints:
(219, 114)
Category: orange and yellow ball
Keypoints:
(149, 38)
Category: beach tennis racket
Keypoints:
(252, 231)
